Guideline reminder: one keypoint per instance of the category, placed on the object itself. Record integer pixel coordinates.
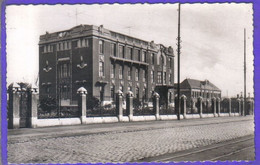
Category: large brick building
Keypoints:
(103, 62)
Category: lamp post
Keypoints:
(178, 49)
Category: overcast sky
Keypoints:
(212, 36)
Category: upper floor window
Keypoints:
(121, 51)
(112, 71)
(144, 56)
(137, 74)
(152, 76)
(129, 73)
(101, 66)
(64, 70)
(47, 48)
(162, 59)
(137, 92)
(66, 45)
(121, 72)
(144, 75)
(152, 58)
(139, 55)
(159, 77)
(164, 77)
(85, 42)
(113, 49)
(170, 61)
(130, 53)
(101, 47)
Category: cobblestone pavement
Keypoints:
(125, 146)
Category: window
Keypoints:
(170, 78)
(170, 61)
(145, 94)
(129, 73)
(120, 72)
(121, 51)
(64, 70)
(136, 74)
(69, 45)
(65, 45)
(129, 88)
(101, 47)
(121, 88)
(144, 56)
(153, 56)
(164, 77)
(144, 75)
(101, 66)
(61, 46)
(57, 47)
(113, 49)
(159, 74)
(112, 71)
(162, 59)
(137, 92)
(130, 53)
(139, 55)
(152, 76)
(83, 43)
(112, 90)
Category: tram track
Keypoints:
(214, 152)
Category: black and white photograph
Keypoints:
(90, 83)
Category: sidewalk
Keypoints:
(80, 130)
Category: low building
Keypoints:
(192, 89)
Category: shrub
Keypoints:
(136, 103)
(48, 104)
(92, 102)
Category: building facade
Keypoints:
(103, 62)
(193, 89)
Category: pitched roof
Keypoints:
(198, 84)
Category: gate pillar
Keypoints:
(119, 108)
(218, 106)
(14, 106)
(129, 105)
(82, 104)
(183, 106)
(200, 106)
(33, 102)
(156, 107)
(239, 106)
(214, 106)
(229, 106)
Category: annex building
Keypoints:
(193, 89)
(103, 62)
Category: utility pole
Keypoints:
(244, 108)
(178, 86)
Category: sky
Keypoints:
(212, 36)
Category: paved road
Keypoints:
(121, 142)
(236, 149)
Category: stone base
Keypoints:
(33, 121)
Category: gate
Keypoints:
(24, 109)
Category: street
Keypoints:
(135, 142)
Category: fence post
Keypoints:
(82, 104)
(229, 106)
(156, 107)
(239, 106)
(129, 105)
(218, 106)
(14, 106)
(33, 101)
(183, 106)
(213, 106)
(119, 108)
(242, 107)
(200, 106)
